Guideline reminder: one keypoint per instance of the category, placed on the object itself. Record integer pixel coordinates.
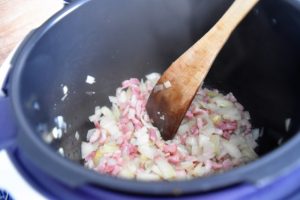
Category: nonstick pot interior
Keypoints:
(116, 40)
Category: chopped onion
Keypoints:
(215, 139)
(141, 175)
(249, 153)
(199, 170)
(230, 113)
(208, 147)
(77, 135)
(153, 77)
(167, 84)
(90, 79)
(110, 125)
(113, 99)
(61, 151)
(86, 149)
(222, 102)
(109, 148)
(142, 136)
(255, 133)
(90, 133)
(122, 98)
(187, 165)
(167, 170)
(146, 151)
(129, 170)
(232, 149)
(95, 136)
(107, 112)
(215, 135)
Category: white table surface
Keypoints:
(12, 181)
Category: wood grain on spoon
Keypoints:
(167, 106)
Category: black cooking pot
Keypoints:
(114, 40)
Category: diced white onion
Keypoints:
(153, 77)
(222, 102)
(90, 79)
(146, 150)
(167, 84)
(230, 113)
(167, 170)
(144, 176)
(232, 149)
(110, 125)
(77, 135)
(86, 149)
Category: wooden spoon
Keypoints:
(175, 90)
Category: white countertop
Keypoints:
(12, 182)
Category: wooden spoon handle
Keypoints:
(201, 57)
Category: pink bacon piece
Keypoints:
(152, 134)
(228, 127)
(174, 159)
(170, 148)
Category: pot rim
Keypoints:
(257, 173)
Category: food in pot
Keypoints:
(214, 136)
